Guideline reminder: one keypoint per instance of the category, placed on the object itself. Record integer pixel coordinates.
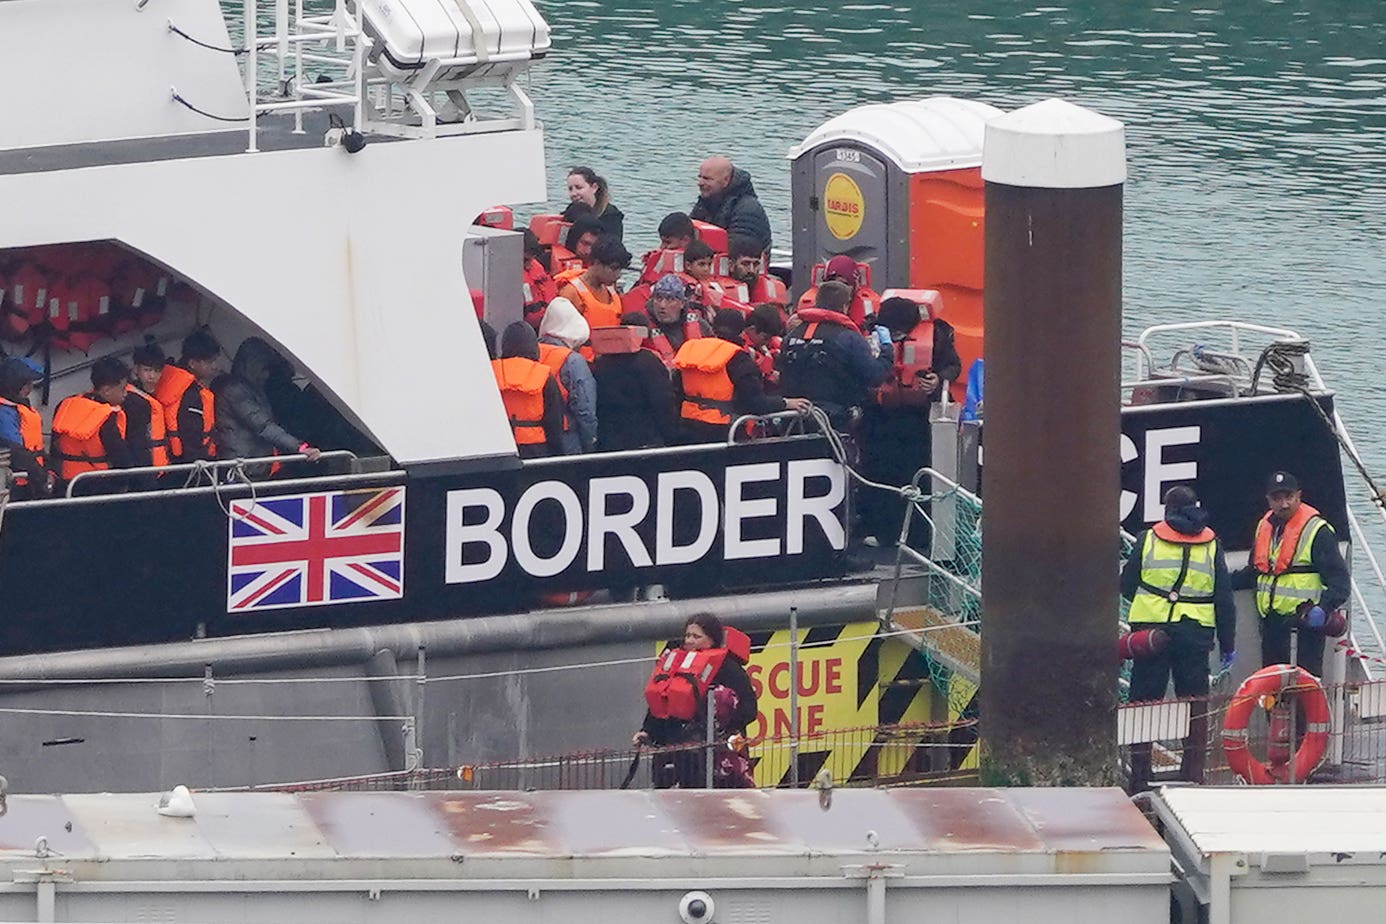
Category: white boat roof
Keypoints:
(1281, 819)
(934, 133)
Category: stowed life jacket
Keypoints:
(680, 681)
(521, 382)
(30, 435)
(158, 427)
(174, 383)
(77, 444)
(707, 389)
(598, 313)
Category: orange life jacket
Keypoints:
(1289, 541)
(554, 357)
(77, 445)
(562, 260)
(521, 382)
(680, 681)
(707, 389)
(539, 286)
(598, 313)
(30, 434)
(770, 289)
(174, 383)
(1163, 530)
(158, 428)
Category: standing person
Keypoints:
(89, 429)
(674, 320)
(529, 392)
(594, 290)
(715, 381)
(727, 199)
(702, 632)
(185, 392)
(762, 337)
(561, 332)
(1176, 579)
(586, 188)
(1298, 573)
(21, 429)
(246, 428)
(826, 358)
(635, 399)
(145, 428)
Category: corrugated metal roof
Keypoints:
(923, 830)
(1281, 819)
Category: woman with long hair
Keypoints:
(589, 194)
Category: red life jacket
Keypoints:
(30, 434)
(659, 344)
(763, 356)
(826, 316)
(913, 355)
(680, 681)
(865, 301)
(539, 287)
(770, 289)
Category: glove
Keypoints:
(1225, 662)
(1316, 617)
(882, 335)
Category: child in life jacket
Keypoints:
(678, 692)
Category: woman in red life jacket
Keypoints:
(685, 721)
(586, 188)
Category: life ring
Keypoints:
(1276, 680)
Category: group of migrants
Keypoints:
(707, 335)
(153, 412)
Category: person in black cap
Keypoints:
(1298, 574)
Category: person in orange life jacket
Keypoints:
(185, 392)
(561, 332)
(539, 287)
(761, 337)
(145, 427)
(594, 291)
(582, 236)
(1154, 572)
(673, 319)
(635, 399)
(530, 393)
(89, 430)
(21, 429)
(246, 427)
(826, 358)
(715, 381)
(727, 199)
(586, 188)
(895, 437)
(842, 268)
(701, 632)
(1291, 602)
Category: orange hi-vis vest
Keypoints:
(158, 427)
(521, 382)
(554, 357)
(598, 313)
(30, 434)
(707, 389)
(77, 442)
(169, 393)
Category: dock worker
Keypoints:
(1298, 574)
(593, 291)
(21, 429)
(826, 358)
(246, 424)
(562, 331)
(89, 429)
(145, 429)
(529, 392)
(716, 381)
(727, 199)
(1176, 579)
(185, 392)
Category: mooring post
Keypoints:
(1054, 174)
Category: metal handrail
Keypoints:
(1142, 354)
(212, 466)
(735, 427)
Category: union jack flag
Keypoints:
(315, 549)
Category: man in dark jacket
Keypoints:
(826, 358)
(246, 428)
(635, 400)
(727, 199)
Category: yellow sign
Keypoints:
(843, 206)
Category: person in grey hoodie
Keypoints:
(562, 330)
(246, 428)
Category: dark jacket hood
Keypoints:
(14, 375)
(519, 339)
(1189, 521)
(255, 361)
(740, 185)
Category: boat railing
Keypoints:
(209, 472)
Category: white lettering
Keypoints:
(572, 528)
(799, 508)
(621, 525)
(670, 483)
(739, 509)
(1128, 454)
(1158, 473)
(459, 535)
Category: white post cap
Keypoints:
(1054, 145)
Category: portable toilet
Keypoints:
(898, 186)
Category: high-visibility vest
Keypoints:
(30, 434)
(1177, 577)
(521, 382)
(707, 389)
(158, 427)
(174, 383)
(1285, 575)
(554, 357)
(77, 444)
(598, 313)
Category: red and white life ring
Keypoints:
(1276, 680)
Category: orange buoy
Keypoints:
(1274, 682)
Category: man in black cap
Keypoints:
(1298, 574)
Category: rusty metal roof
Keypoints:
(612, 833)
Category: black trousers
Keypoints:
(895, 443)
(1276, 630)
(1186, 661)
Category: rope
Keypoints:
(202, 112)
(201, 44)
